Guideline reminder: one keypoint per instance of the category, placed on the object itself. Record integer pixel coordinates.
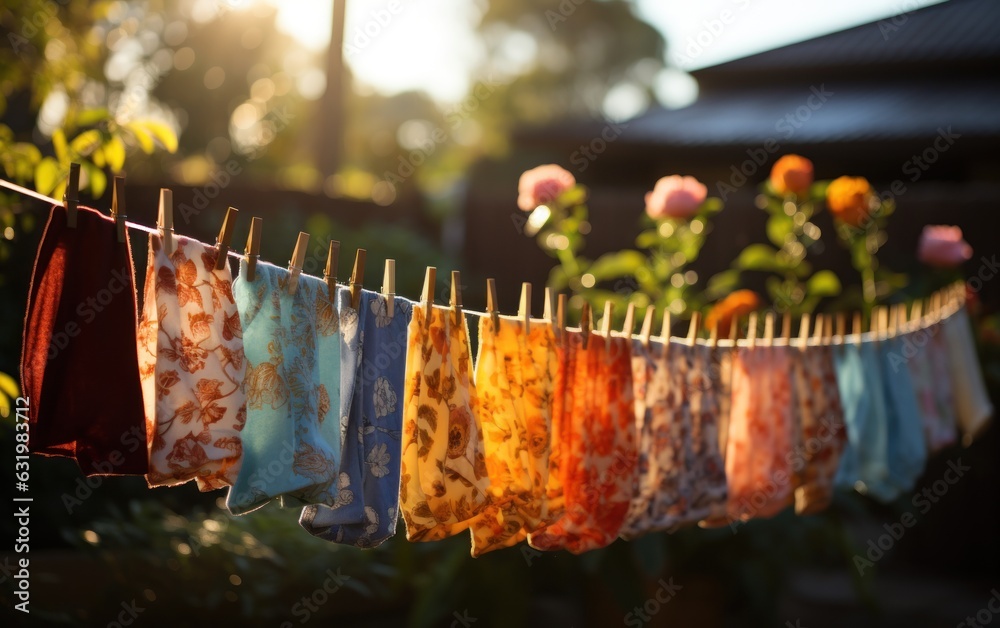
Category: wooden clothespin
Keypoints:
(786, 326)
(427, 296)
(585, 323)
(524, 309)
(547, 304)
(165, 219)
(118, 207)
(560, 325)
(915, 313)
(456, 294)
(665, 328)
(358, 277)
(804, 330)
(734, 330)
(491, 303)
(856, 327)
(883, 321)
(71, 198)
(606, 319)
(226, 236)
(693, 328)
(629, 324)
(819, 327)
(713, 335)
(298, 259)
(769, 329)
(893, 314)
(752, 329)
(647, 325)
(827, 328)
(330, 272)
(389, 286)
(252, 251)
(841, 326)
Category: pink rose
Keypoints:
(675, 197)
(942, 246)
(542, 185)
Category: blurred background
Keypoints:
(402, 127)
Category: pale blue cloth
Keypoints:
(907, 452)
(284, 451)
(864, 463)
(368, 502)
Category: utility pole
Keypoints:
(330, 146)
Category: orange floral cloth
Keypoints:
(191, 365)
(706, 468)
(444, 482)
(560, 427)
(599, 463)
(758, 465)
(514, 377)
(821, 431)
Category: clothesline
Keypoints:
(868, 336)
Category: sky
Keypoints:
(398, 45)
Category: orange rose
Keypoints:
(792, 174)
(850, 200)
(736, 304)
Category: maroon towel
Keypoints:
(79, 365)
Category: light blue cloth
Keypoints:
(864, 463)
(284, 450)
(368, 504)
(907, 452)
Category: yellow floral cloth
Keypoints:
(443, 479)
(514, 377)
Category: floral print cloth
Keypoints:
(560, 425)
(709, 494)
(191, 366)
(973, 408)
(600, 462)
(287, 401)
(514, 390)
(368, 501)
(761, 433)
(821, 432)
(444, 482)
(931, 370)
(907, 447)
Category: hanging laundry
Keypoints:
(81, 320)
(514, 392)
(562, 365)
(864, 464)
(190, 348)
(368, 502)
(337, 355)
(708, 475)
(284, 448)
(940, 422)
(973, 407)
(821, 431)
(651, 389)
(443, 477)
(601, 461)
(907, 448)
(761, 433)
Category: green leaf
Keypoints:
(712, 205)
(823, 283)
(142, 136)
(779, 227)
(90, 117)
(758, 257)
(576, 195)
(47, 175)
(163, 133)
(59, 146)
(98, 181)
(721, 284)
(85, 143)
(8, 385)
(617, 264)
(114, 153)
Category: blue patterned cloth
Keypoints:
(285, 452)
(368, 501)
(907, 452)
(864, 465)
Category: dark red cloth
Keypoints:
(79, 366)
